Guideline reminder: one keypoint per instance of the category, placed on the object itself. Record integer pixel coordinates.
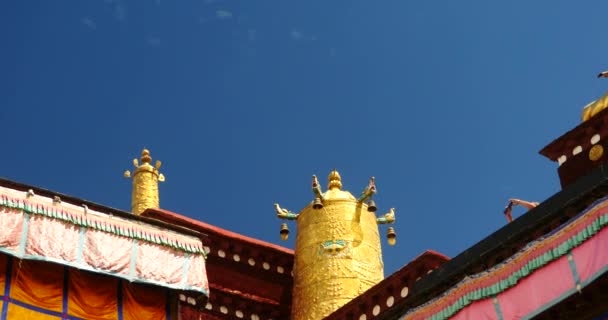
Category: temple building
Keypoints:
(62, 257)
(65, 258)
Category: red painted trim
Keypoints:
(171, 217)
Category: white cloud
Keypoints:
(119, 9)
(153, 41)
(251, 35)
(89, 22)
(299, 35)
(296, 35)
(223, 14)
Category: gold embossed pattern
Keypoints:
(145, 183)
(337, 255)
(594, 108)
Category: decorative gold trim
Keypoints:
(596, 152)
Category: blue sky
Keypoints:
(446, 103)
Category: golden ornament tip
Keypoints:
(335, 181)
(145, 156)
(127, 174)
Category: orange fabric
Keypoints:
(92, 294)
(38, 283)
(3, 260)
(16, 312)
(143, 302)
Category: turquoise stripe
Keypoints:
(566, 294)
(185, 268)
(497, 308)
(575, 275)
(591, 229)
(133, 259)
(80, 245)
(23, 242)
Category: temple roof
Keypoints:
(492, 250)
(4, 182)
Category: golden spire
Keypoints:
(145, 183)
(335, 181)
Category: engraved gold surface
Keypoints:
(596, 152)
(337, 254)
(595, 107)
(145, 184)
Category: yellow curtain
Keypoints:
(18, 312)
(92, 294)
(144, 302)
(37, 292)
(3, 262)
(37, 283)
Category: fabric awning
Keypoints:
(37, 228)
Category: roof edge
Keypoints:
(576, 194)
(197, 225)
(98, 207)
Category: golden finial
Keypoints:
(145, 183)
(596, 106)
(335, 181)
(145, 156)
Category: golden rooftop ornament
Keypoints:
(596, 106)
(337, 250)
(145, 183)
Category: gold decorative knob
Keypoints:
(596, 152)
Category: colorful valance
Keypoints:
(542, 274)
(39, 228)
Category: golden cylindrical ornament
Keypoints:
(337, 255)
(145, 183)
(145, 189)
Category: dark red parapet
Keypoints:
(579, 150)
(390, 291)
